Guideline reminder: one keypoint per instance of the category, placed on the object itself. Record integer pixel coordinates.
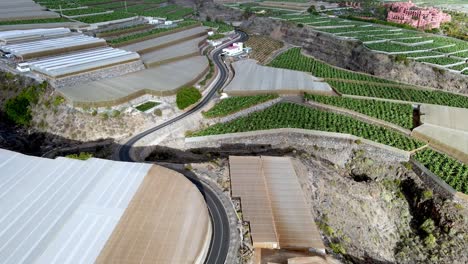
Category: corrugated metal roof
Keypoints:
(63, 210)
(273, 201)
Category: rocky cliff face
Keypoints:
(352, 55)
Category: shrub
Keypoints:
(115, 113)
(427, 194)
(187, 96)
(158, 112)
(430, 241)
(338, 248)
(58, 100)
(81, 156)
(17, 108)
(428, 226)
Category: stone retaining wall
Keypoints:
(340, 146)
(96, 75)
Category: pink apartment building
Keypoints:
(409, 13)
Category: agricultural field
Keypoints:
(150, 34)
(403, 94)
(237, 103)
(385, 38)
(353, 83)
(220, 27)
(35, 21)
(294, 60)
(262, 47)
(398, 114)
(121, 9)
(284, 115)
(440, 60)
(450, 170)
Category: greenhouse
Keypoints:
(73, 211)
(13, 36)
(48, 47)
(78, 62)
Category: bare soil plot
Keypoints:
(162, 80)
(252, 78)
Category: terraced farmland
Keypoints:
(234, 104)
(293, 59)
(448, 169)
(284, 115)
(399, 114)
(409, 43)
(402, 94)
(353, 83)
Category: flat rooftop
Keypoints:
(71, 211)
(273, 202)
(160, 80)
(253, 78)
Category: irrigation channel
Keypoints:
(219, 246)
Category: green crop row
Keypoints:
(56, 4)
(221, 26)
(293, 59)
(423, 54)
(393, 47)
(234, 104)
(84, 11)
(35, 21)
(403, 94)
(463, 54)
(289, 115)
(448, 169)
(440, 60)
(459, 67)
(105, 17)
(399, 114)
(154, 32)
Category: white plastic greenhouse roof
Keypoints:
(10, 36)
(62, 210)
(48, 45)
(82, 61)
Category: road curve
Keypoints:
(220, 240)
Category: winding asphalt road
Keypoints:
(220, 240)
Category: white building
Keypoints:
(236, 49)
